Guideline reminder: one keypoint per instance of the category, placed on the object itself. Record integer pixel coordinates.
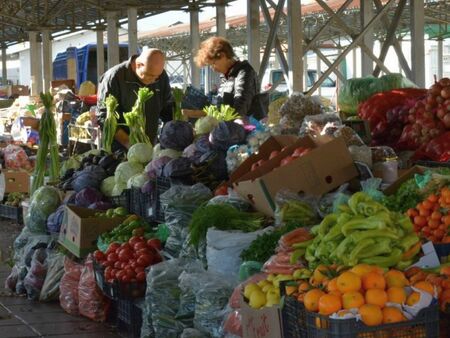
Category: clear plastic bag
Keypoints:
(321, 124)
(351, 138)
(50, 289)
(327, 202)
(232, 199)
(35, 277)
(193, 333)
(372, 187)
(361, 154)
(382, 153)
(188, 283)
(68, 297)
(11, 280)
(92, 303)
(223, 251)
(211, 300)
(16, 158)
(233, 324)
(179, 202)
(292, 207)
(162, 298)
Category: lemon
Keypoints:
(263, 283)
(267, 288)
(270, 277)
(272, 298)
(249, 288)
(257, 299)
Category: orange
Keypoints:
(319, 273)
(425, 286)
(332, 285)
(348, 281)
(362, 269)
(376, 297)
(371, 315)
(336, 293)
(373, 280)
(303, 287)
(396, 295)
(290, 289)
(329, 304)
(352, 299)
(395, 278)
(413, 298)
(392, 315)
(311, 299)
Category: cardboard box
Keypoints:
(19, 90)
(323, 169)
(80, 229)
(261, 323)
(16, 180)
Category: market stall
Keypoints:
(322, 224)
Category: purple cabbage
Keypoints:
(155, 168)
(55, 220)
(176, 135)
(148, 187)
(227, 134)
(100, 205)
(87, 196)
(178, 168)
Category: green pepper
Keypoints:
(382, 246)
(409, 241)
(363, 204)
(344, 248)
(404, 222)
(361, 235)
(385, 261)
(302, 244)
(403, 265)
(352, 259)
(328, 222)
(296, 254)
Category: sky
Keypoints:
(238, 7)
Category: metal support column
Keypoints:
(132, 31)
(4, 66)
(295, 46)
(112, 38)
(195, 44)
(440, 56)
(253, 34)
(100, 53)
(319, 70)
(47, 59)
(417, 42)
(366, 11)
(221, 19)
(35, 65)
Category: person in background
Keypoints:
(239, 85)
(124, 80)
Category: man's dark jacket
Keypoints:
(239, 89)
(121, 81)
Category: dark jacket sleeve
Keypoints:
(168, 101)
(109, 85)
(244, 91)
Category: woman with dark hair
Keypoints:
(239, 85)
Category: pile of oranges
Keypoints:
(364, 287)
(431, 218)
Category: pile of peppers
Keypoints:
(363, 231)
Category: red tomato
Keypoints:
(126, 246)
(125, 279)
(99, 256)
(107, 263)
(154, 243)
(139, 245)
(307, 150)
(114, 273)
(157, 259)
(254, 166)
(120, 274)
(298, 152)
(145, 260)
(117, 264)
(125, 255)
(140, 277)
(112, 248)
(139, 269)
(130, 273)
(133, 240)
(107, 273)
(112, 257)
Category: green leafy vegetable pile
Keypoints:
(225, 113)
(135, 119)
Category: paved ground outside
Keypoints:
(20, 317)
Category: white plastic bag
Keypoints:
(223, 251)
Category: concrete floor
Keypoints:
(20, 317)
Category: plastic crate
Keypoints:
(161, 186)
(139, 203)
(433, 164)
(293, 316)
(118, 290)
(14, 213)
(425, 324)
(121, 200)
(194, 99)
(444, 324)
(129, 316)
(443, 251)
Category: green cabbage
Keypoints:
(158, 152)
(126, 170)
(44, 202)
(137, 181)
(118, 189)
(140, 153)
(205, 125)
(107, 186)
(71, 163)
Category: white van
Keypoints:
(272, 76)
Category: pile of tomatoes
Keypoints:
(126, 262)
(296, 153)
(431, 217)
